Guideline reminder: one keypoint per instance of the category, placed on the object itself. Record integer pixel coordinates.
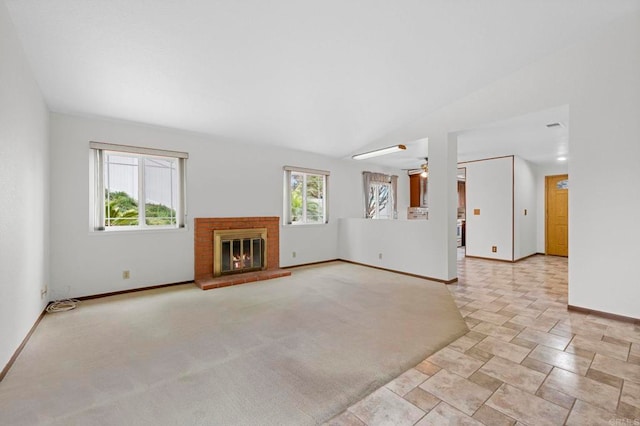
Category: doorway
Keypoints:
(557, 215)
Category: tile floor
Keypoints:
(526, 359)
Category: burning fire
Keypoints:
(240, 262)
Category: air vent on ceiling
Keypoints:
(554, 125)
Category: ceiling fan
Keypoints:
(423, 170)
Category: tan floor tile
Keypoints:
(525, 407)
(629, 412)
(542, 323)
(527, 344)
(560, 331)
(599, 347)
(529, 312)
(616, 341)
(422, 399)
(385, 407)
(471, 322)
(457, 391)
(584, 388)
(616, 368)
(461, 301)
(556, 342)
(497, 331)
(463, 344)
(631, 394)
(503, 349)
(610, 322)
(427, 368)
(564, 360)
(536, 365)
(479, 336)
(406, 382)
(479, 355)
(583, 323)
(629, 335)
(455, 362)
(444, 414)
(568, 329)
(490, 307)
(635, 349)
(491, 317)
(605, 378)
(633, 359)
(485, 381)
(489, 416)
(513, 374)
(345, 419)
(584, 414)
(513, 326)
(465, 312)
(555, 396)
(481, 295)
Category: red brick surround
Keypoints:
(203, 247)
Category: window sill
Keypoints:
(303, 225)
(138, 231)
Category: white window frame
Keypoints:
(389, 205)
(98, 151)
(287, 219)
(375, 180)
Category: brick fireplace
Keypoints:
(204, 248)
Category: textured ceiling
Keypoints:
(324, 76)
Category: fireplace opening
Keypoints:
(241, 255)
(239, 250)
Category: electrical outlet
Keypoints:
(494, 249)
(43, 292)
(126, 275)
(379, 255)
(293, 254)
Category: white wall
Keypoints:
(599, 79)
(24, 223)
(525, 198)
(540, 173)
(399, 245)
(489, 188)
(223, 179)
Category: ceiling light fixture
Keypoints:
(425, 168)
(381, 151)
(562, 158)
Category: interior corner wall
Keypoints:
(24, 176)
(540, 173)
(489, 189)
(524, 209)
(225, 178)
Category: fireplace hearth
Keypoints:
(236, 250)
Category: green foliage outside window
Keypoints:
(122, 210)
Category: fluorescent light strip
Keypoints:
(381, 151)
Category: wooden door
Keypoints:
(414, 193)
(557, 215)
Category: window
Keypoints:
(137, 188)
(305, 196)
(380, 196)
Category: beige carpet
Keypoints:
(294, 350)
